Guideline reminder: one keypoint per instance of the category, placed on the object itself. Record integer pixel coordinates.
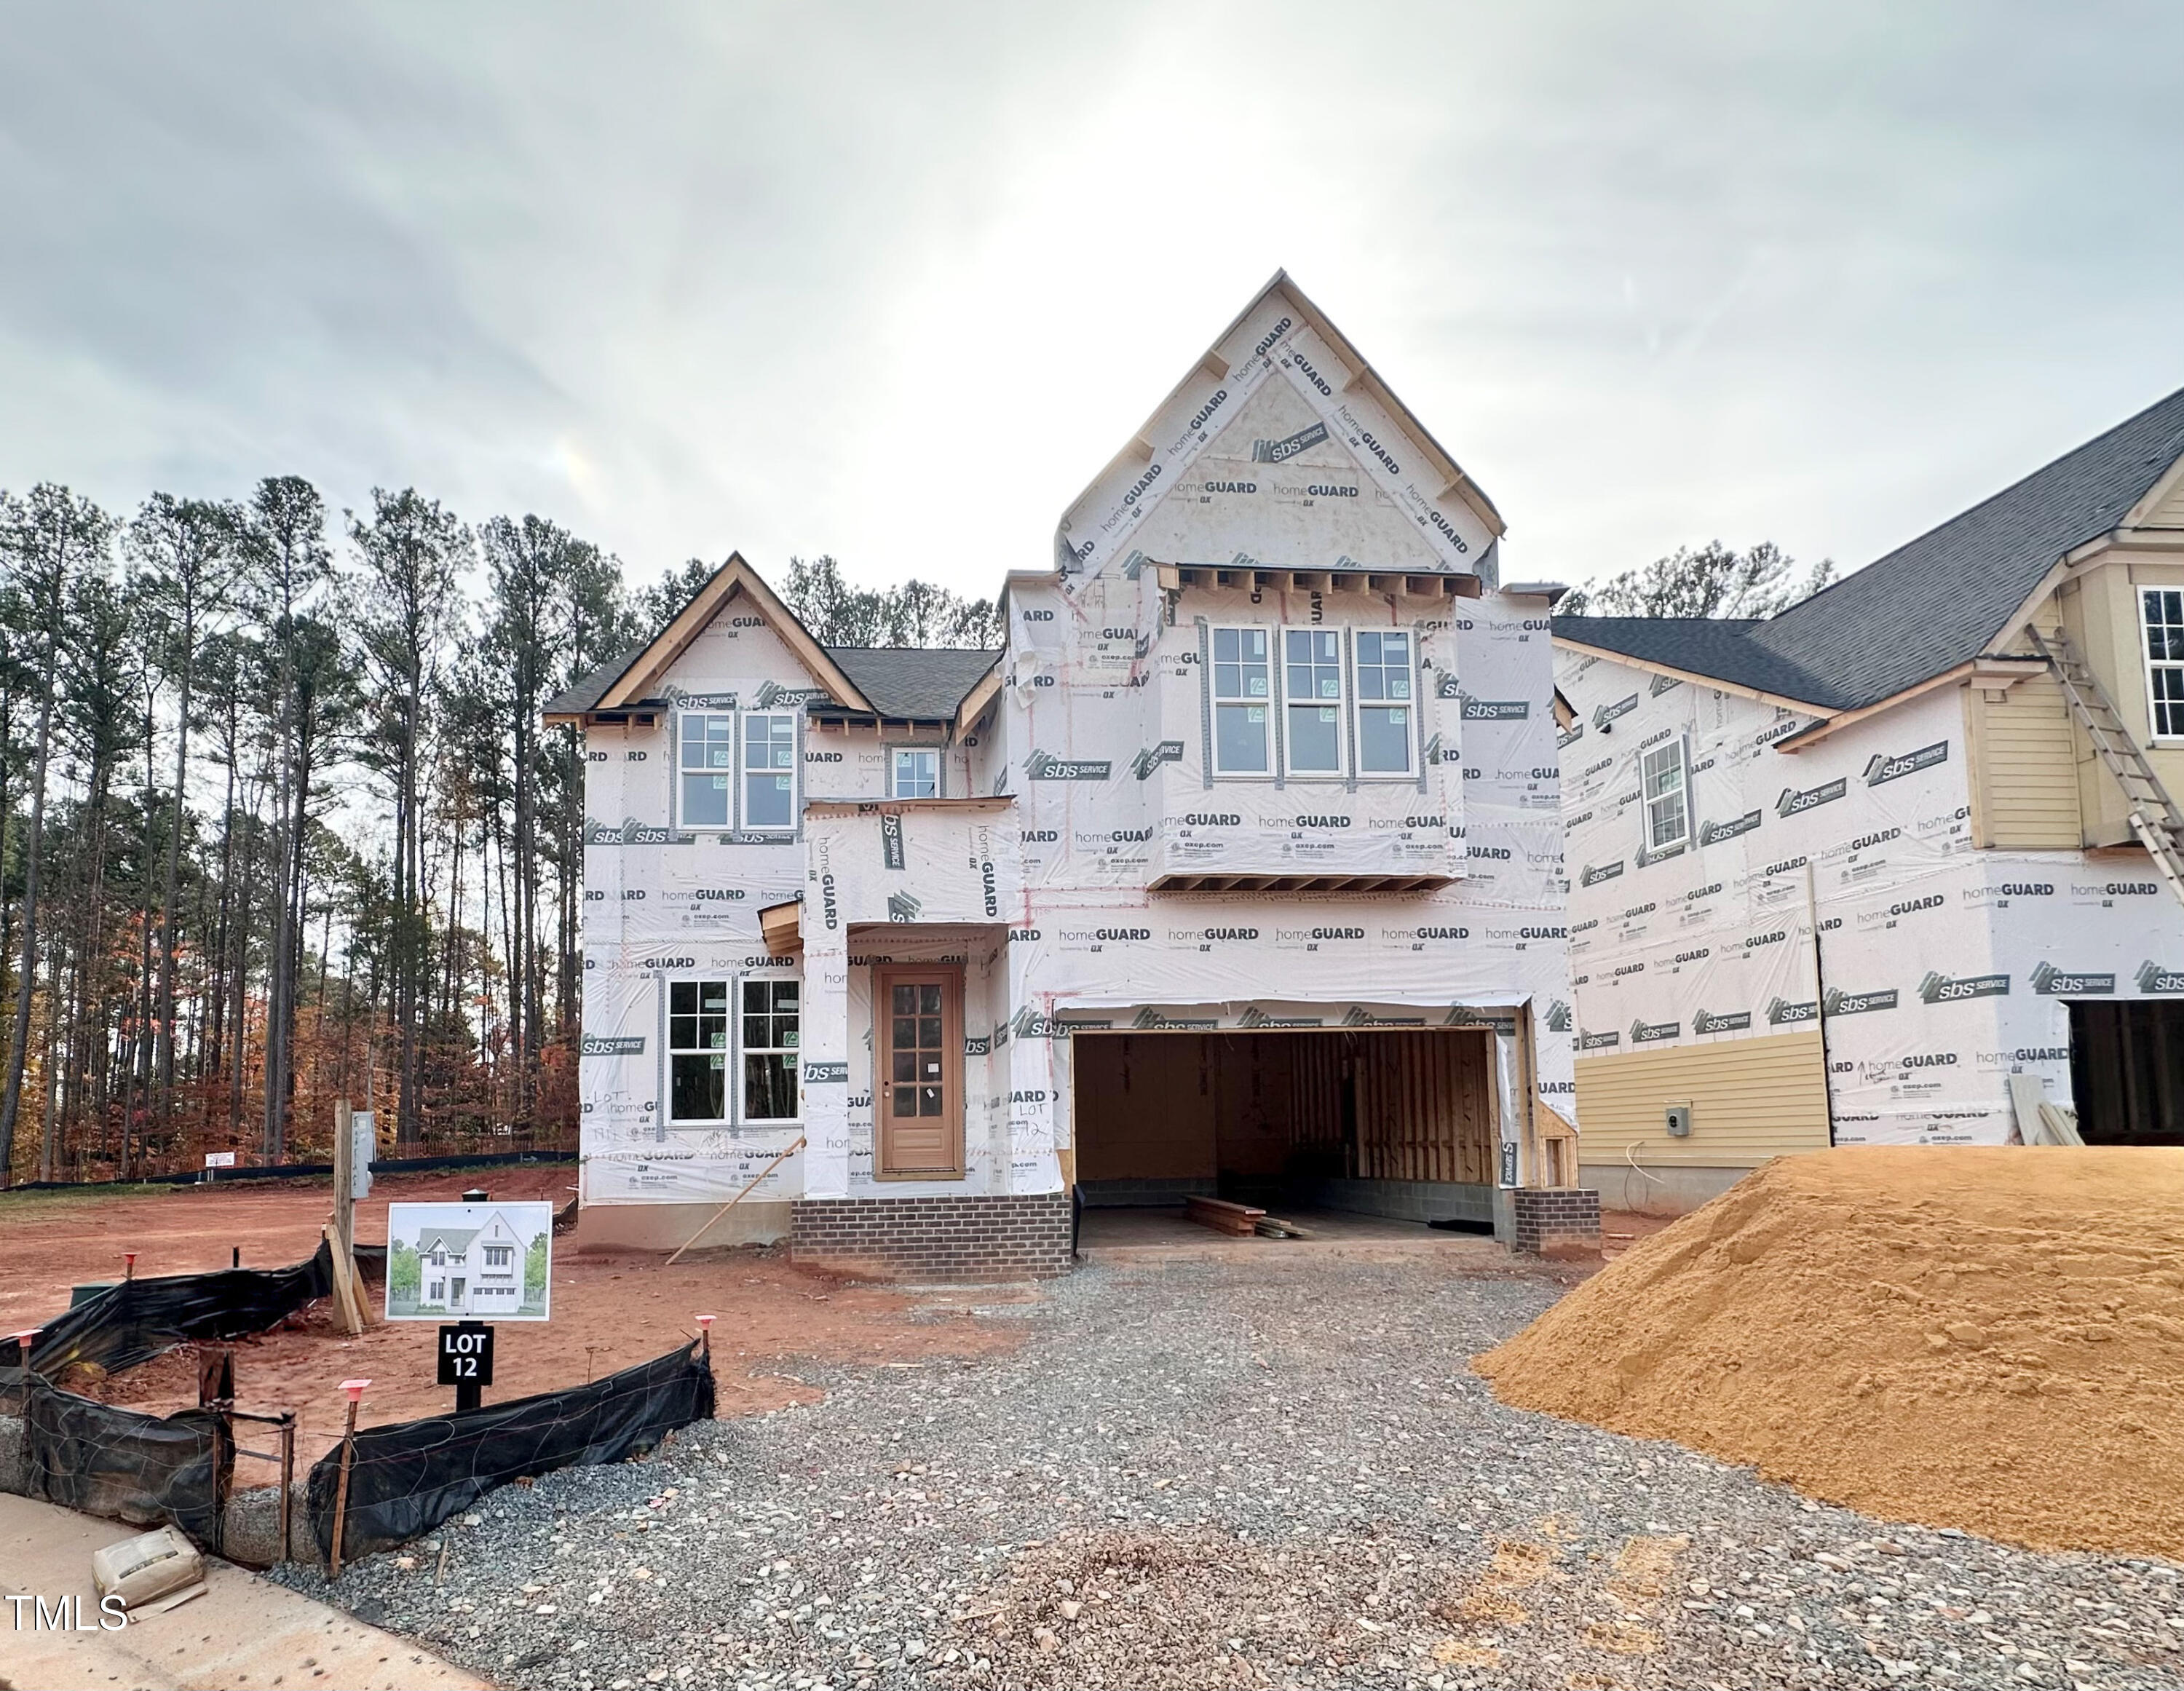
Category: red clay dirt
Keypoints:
(608, 1312)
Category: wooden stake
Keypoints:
(733, 1202)
(355, 1390)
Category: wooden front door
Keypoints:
(917, 1083)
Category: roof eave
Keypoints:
(1804, 707)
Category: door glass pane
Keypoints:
(928, 1001)
(906, 1001)
(905, 1032)
(905, 1100)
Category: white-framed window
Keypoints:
(1385, 743)
(499, 1256)
(1243, 701)
(704, 769)
(2161, 615)
(1664, 781)
(772, 1038)
(1312, 701)
(698, 1051)
(769, 770)
(913, 772)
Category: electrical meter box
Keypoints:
(1680, 1122)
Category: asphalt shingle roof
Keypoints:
(924, 683)
(912, 683)
(1927, 606)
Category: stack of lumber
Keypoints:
(1239, 1220)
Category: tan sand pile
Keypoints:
(1985, 1339)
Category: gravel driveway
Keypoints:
(1209, 1475)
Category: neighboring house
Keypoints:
(1844, 876)
(1238, 870)
(471, 1270)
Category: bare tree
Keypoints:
(1709, 580)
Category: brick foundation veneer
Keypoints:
(1554, 1221)
(936, 1238)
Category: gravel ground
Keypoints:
(1283, 1475)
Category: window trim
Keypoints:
(895, 749)
(731, 1095)
(1359, 704)
(1215, 701)
(1346, 725)
(744, 772)
(1679, 744)
(2150, 666)
(733, 771)
(744, 1117)
(951, 1044)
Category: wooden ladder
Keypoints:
(2154, 817)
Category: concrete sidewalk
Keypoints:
(244, 1633)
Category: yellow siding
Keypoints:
(1751, 1099)
(2024, 768)
(2101, 610)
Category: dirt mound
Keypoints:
(1985, 1339)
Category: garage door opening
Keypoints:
(1398, 1123)
(2127, 1071)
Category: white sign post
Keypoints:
(468, 1262)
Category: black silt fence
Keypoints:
(137, 1320)
(127, 1466)
(407, 1478)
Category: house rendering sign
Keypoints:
(468, 1262)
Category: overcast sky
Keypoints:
(894, 281)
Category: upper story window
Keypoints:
(736, 771)
(769, 793)
(499, 1256)
(1384, 739)
(1312, 693)
(1663, 781)
(704, 770)
(1243, 694)
(2161, 614)
(913, 772)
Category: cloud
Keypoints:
(894, 282)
